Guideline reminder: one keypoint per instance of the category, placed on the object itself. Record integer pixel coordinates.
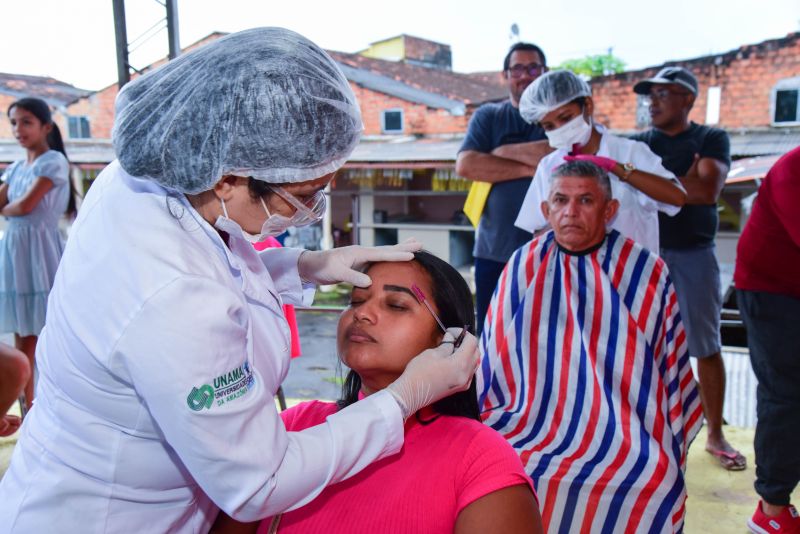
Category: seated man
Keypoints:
(585, 370)
(453, 475)
(562, 104)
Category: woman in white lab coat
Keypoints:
(165, 340)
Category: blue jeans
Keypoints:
(487, 273)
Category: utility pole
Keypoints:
(172, 29)
(121, 32)
(123, 45)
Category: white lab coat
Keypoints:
(637, 217)
(149, 312)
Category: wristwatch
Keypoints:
(628, 168)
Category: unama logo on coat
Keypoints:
(227, 387)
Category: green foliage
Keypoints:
(338, 295)
(335, 380)
(596, 65)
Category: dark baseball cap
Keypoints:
(677, 75)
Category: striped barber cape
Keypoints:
(585, 371)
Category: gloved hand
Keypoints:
(344, 264)
(607, 164)
(436, 373)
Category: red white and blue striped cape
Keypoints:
(585, 371)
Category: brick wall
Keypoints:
(746, 77)
(99, 108)
(417, 118)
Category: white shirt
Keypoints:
(637, 217)
(150, 312)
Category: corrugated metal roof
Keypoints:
(764, 142)
(407, 150)
(457, 86)
(389, 86)
(413, 149)
(744, 170)
(739, 408)
(93, 152)
(400, 150)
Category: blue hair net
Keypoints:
(551, 91)
(265, 102)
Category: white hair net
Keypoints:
(551, 91)
(265, 102)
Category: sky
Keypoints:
(73, 40)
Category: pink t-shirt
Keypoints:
(288, 309)
(442, 467)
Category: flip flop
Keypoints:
(732, 461)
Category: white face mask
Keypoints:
(576, 131)
(276, 224)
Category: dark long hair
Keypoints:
(454, 301)
(39, 109)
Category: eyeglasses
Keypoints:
(664, 93)
(306, 204)
(531, 69)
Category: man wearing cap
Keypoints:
(700, 157)
(502, 149)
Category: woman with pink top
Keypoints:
(453, 475)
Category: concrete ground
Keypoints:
(719, 501)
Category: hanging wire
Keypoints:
(148, 34)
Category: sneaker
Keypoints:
(786, 523)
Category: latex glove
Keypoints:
(604, 163)
(436, 373)
(344, 264)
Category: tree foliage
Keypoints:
(595, 65)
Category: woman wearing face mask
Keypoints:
(159, 360)
(561, 103)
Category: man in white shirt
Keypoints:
(562, 104)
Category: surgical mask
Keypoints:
(576, 131)
(305, 213)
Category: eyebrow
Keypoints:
(389, 287)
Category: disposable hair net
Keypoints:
(551, 91)
(265, 102)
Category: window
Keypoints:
(392, 121)
(786, 106)
(78, 128)
(784, 102)
(642, 111)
